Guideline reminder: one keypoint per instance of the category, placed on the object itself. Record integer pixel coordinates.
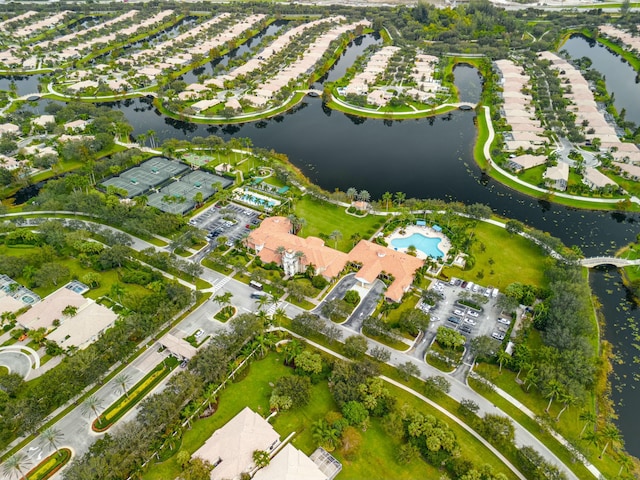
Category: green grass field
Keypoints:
(377, 455)
(515, 259)
(324, 218)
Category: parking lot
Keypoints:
(232, 222)
(470, 322)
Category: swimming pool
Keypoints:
(427, 245)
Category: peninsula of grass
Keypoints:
(225, 313)
(324, 218)
(48, 467)
(131, 397)
(388, 341)
(376, 458)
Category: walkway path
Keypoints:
(427, 111)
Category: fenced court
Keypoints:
(139, 180)
(199, 159)
(179, 196)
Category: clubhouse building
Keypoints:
(274, 242)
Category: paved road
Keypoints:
(16, 362)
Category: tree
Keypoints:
(355, 413)
(436, 385)
(325, 435)
(336, 236)
(568, 399)
(552, 390)
(351, 193)
(381, 354)
(497, 429)
(503, 356)
(514, 226)
(364, 196)
(468, 407)
(52, 436)
(308, 362)
(291, 350)
(307, 323)
(407, 370)
(478, 211)
(449, 339)
(399, 198)
(589, 418)
(15, 465)
(122, 381)
(196, 469)
(92, 404)
(261, 458)
(51, 274)
(407, 453)
(296, 388)
(351, 442)
(355, 347)
(483, 347)
(611, 435)
(386, 198)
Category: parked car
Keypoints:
(504, 321)
(473, 313)
(469, 321)
(465, 328)
(199, 333)
(458, 312)
(455, 320)
(498, 335)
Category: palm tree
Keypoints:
(280, 251)
(400, 197)
(52, 436)
(15, 464)
(612, 436)
(568, 400)
(351, 193)
(364, 196)
(291, 350)
(325, 435)
(122, 383)
(589, 418)
(223, 299)
(592, 437)
(626, 464)
(336, 235)
(92, 404)
(387, 197)
(553, 389)
(502, 357)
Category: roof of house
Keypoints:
(529, 161)
(84, 327)
(231, 447)
(376, 259)
(559, 172)
(596, 179)
(274, 232)
(43, 314)
(10, 304)
(290, 464)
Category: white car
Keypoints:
(470, 322)
(473, 313)
(458, 312)
(199, 333)
(498, 336)
(504, 321)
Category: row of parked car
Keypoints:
(488, 292)
(464, 318)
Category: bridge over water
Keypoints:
(616, 262)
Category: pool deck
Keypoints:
(444, 246)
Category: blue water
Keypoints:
(427, 245)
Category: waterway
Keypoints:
(620, 77)
(425, 158)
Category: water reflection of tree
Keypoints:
(356, 120)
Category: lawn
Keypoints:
(324, 218)
(76, 271)
(533, 175)
(377, 455)
(502, 258)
